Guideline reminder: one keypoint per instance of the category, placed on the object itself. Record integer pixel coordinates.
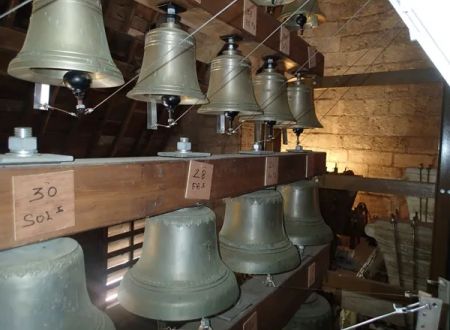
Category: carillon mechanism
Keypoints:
(301, 14)
(180, 275)
(43, 286)
(61, 54)
(303, 221)
(168, 75)
(230, 90)
(301, 101)
(253, 239)
(271, 94)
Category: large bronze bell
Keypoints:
(43, 286)
(301, 100)
(169, 66)
(230, 85)
(180, 275)
(253, 239)
(271, 94)
(65, 36)
(314, 314)
(303, 221)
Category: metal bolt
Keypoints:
(23, 132)
(184, 145)
(23, 144)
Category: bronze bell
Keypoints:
(303, 221)
(301, 100)
(314, 314)
(301, 14)
(66, 36)
(253, 239)
(43, 286)
(230, 85)
(271, 94)
(169, 65)
(180, 275)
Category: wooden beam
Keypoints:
(336, 282)
(382, 186)
(440, 265)
(112, 191)
(414, 76)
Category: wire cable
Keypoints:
(12, 10)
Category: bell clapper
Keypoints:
(78, 82)
(298, 132)
(270, 126)
(170, 102)
(229, 118)
(205, 324)
(269, 282)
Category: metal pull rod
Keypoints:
(413, 308)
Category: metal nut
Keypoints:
(184, 145)
(22, 146)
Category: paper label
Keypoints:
(250, 17)
(271, 173)
(199, 180)
(43, 203)
(285, 40)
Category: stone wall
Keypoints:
(376, 131)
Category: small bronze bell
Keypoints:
(65, 36)
(303, 221)
(169, 66)
(271, 94)
(301, 101)
(180, 275)
(43, 286)
(230, 85)
(253, 239)
(314, 314)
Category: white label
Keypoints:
(271, 173)
(250, 17)
(43, 203)
(199, 180)
(285, 40)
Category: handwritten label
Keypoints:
(43, 203)
(271, 174)
(250, 17)
(312, 57)
(285, 40)
(251, 323)
(199, 180)
(311, 274)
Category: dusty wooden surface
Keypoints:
(112, 191)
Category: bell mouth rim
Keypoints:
(190, 286)
(54, 75)
(156, 97)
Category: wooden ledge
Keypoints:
(111, 191)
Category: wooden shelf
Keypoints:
(115, 190)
